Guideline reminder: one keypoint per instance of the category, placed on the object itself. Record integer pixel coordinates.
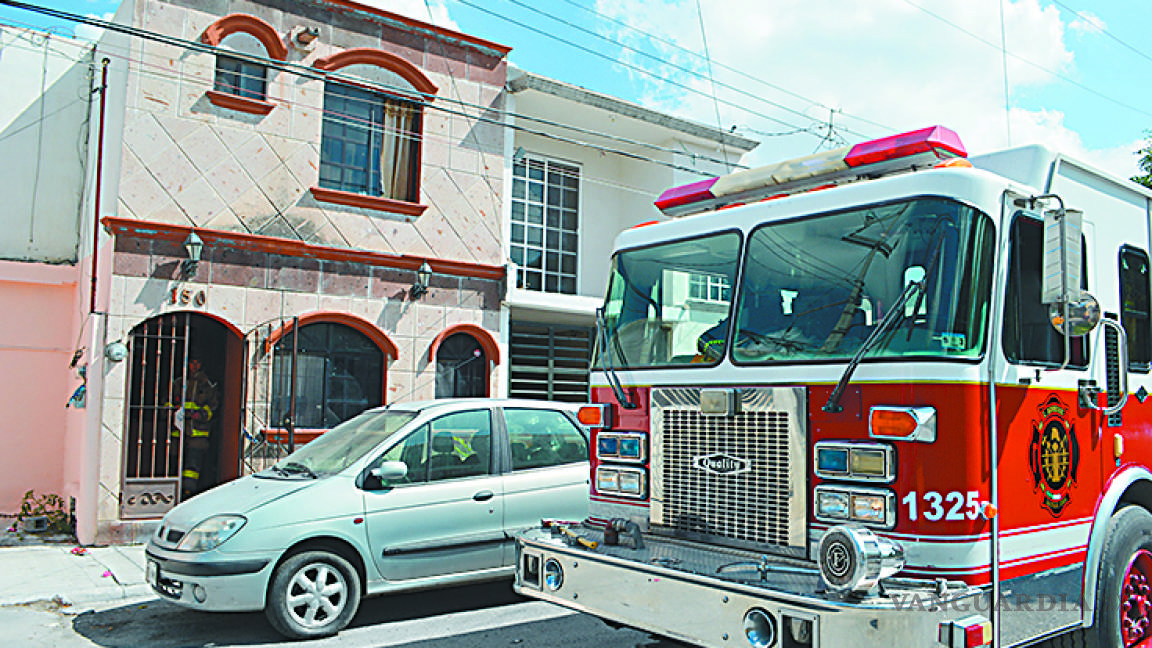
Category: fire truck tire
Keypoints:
(1124, 586)
(1127, 547)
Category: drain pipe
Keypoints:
(103, 90)
(87, 531)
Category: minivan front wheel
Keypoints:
(312, 594)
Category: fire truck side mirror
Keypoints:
(1083, 316)
(1061, 271)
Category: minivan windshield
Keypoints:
(341, 446)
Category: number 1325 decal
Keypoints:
(933, 506)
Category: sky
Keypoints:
(807, 75)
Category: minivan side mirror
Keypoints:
(390, 471)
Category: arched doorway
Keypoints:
(182, 415)
(461, 367)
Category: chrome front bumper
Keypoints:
(700, 595)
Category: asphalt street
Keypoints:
(476, 616)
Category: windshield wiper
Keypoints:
(295, 468)
(893, 316)
(606, 361)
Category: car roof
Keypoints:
(451, 404)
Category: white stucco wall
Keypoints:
(616, 191)
(43, 140)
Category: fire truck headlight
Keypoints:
(632, 483)
(553, 574)
(626, 481)
(607, 445)
(868, 463)
(607, 480)
(832, 504)
(870, 508)
(853, 559)
(759, 628)
(875, 507)
(630, 448)
(621, 446)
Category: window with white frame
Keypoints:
(545, 222)
(713, 288)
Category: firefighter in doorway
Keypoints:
(192, 422)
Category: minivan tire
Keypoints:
(312, 594)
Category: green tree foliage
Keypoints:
(1145, 162)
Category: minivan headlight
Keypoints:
(211, 533)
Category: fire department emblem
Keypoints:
(1054, 455)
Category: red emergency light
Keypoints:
(903, 152)
(934, 139)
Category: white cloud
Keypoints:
(1088, 22)
(889, 65)
(418, 10)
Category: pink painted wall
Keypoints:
(38, 331)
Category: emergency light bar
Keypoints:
(904, 152)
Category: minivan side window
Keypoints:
(542, 438)
(461, 445)
(413, 451)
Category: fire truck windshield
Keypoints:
(812, 289)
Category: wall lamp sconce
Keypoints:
(423, 276)
(304, 38)
(194, 246)
(116, 351)
(308, 34)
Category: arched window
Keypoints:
(241, 83)
(461, 367)
(339, 373)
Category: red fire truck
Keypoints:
(889, 395)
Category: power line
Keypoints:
(308, 72)
(1101, 29)
(711, 79)
(661, 61)
(1035, 65)
(157, 71)
(674, 45)
(616, 61)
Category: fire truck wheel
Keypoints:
(1124, 587)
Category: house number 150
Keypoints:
(186, 296)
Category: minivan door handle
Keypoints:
(483, 496)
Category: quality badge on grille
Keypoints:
(719, 463)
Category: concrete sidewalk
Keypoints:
(53, 572)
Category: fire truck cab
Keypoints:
(888, 395)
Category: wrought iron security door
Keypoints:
(152, 457)
(264, 441)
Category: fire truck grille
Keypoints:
(735, 480)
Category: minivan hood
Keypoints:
(238, 496)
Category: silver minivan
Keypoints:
(409, 496)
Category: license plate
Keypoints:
(152, 573)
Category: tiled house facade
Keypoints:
(324, 153)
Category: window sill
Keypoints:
(238, 103)
(376, 203)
